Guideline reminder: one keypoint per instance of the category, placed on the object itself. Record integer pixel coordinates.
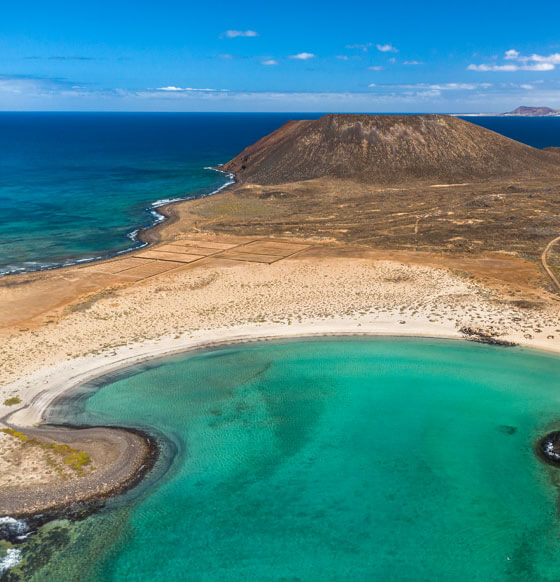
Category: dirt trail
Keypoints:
(545, 264)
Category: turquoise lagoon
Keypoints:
(333, 459)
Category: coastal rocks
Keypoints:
(483, 337)
(549, 448)
(21, 563)
(13, 530)
(42, 515)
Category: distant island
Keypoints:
(525, 111)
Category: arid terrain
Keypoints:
(448, 241)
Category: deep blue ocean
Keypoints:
(78, 186)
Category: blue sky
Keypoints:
(368, 56)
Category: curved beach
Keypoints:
(285, 431)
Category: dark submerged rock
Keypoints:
(548, 448)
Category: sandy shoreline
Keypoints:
(64, 379)
(67, 377)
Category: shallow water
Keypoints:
(381, 459)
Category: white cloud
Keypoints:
(240, 33)
(343, 57)
(512, 68)
(270, 62)
(461, 86)
(521, 62)
(511, 54)
(428, 94)
(37, 85)
(363, 47)
(303, 56)
(23, 92)
(553, 58)
(386, 48)
(172, 88)
(376, 68)
(20, 93)
(413, 63)
(436, 86)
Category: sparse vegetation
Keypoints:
(91, 300)
(72, 458)
(12, 401)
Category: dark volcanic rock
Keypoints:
(549, 448)
(388, 149)
(483, 337)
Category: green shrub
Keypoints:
(12, 400)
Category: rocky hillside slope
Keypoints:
(388, 149)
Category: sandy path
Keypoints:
(544, 261)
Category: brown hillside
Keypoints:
(381, 149)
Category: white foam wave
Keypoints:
(157, 216)
(137, 246)
(32, 266)
(13, 527)
(230, 176)
(11, 559)
(133, 235)
(165, 201)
